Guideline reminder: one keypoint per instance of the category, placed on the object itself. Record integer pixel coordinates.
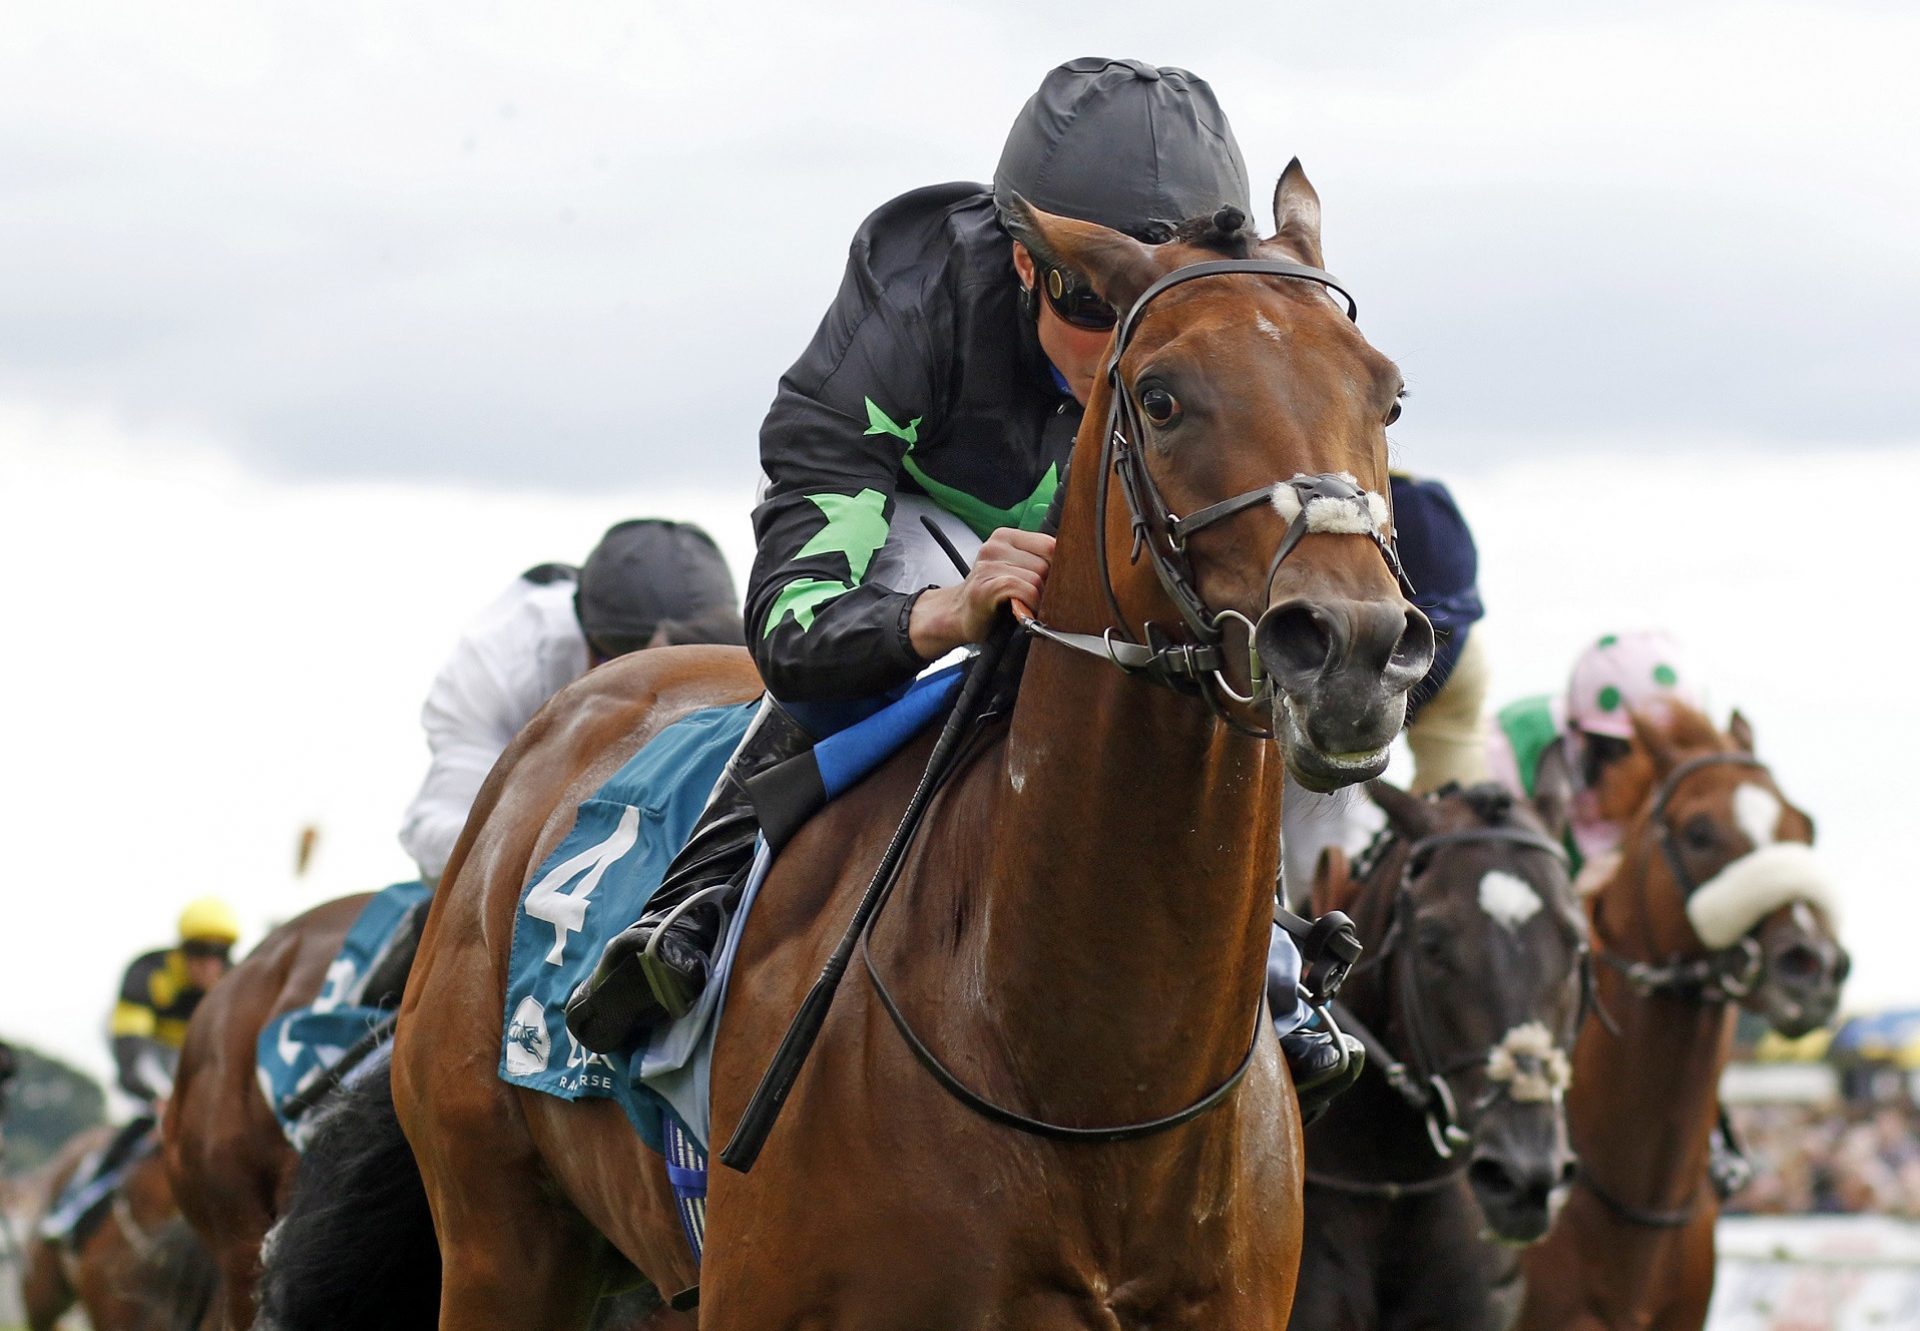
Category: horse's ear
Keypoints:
(1740, 731)
(1654, 741)
(1553, 791)
(1332, 881)
(1410, 816)
(1118, 266)
(1296, 214)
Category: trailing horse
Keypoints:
(1079, 930)
(228, 1158)
(1467, 998)
(1717, 903)
(136, 1267)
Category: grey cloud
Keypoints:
(557, 273)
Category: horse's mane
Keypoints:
(1677, 727)
(1685, 728)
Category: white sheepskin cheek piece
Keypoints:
(1532, 1068)
(1744, 893)
(1286, 502)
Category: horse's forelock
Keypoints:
(1227, 232)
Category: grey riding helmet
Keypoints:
(1129, 145)
(651, 582)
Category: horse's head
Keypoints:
(1727, 876)
(1243, 424)
(1479, 944)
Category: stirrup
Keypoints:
(670, 988)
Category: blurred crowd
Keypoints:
(1816, 1161)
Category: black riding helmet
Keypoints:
(651, 577)
(1133, 147)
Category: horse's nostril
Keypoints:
(1414, 651)
(1569, 1171)
(1843, 967)
(1295, 640)
(1798, 963)
(1491, 1177)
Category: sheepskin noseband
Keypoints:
(1726, 906)
(1362, 513)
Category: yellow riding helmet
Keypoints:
(209, 920)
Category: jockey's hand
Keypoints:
(1012, 563)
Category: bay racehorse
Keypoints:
(1716, 903)
(138, 1268)
(229, 1161)
(1080, 929)
(1468, 999)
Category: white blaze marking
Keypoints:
(1508, 898)
(1757, 810)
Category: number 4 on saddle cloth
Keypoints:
(599, 879)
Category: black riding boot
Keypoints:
(1324, 1062)
(655, 969)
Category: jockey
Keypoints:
(1444, 710)
(1577, 739)
(944, 386)
(648, 583)
(158, 993)
(1577, 742)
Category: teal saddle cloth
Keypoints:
(298, 1048)
(599, 878)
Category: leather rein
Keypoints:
(1420, 1079)
(1185, 666)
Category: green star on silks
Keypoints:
(878, 422)
(857, 528)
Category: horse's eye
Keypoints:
(1393, 413)
(1700, 833)
(1160, 406)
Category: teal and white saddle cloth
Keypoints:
(299, 1047)
(598, 880)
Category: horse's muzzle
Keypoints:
(1341, 670)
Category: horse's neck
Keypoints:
(1645, 1117)
(1128, 893)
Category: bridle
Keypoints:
(1722, 976)
(1423, 1079)
(1185, 666)
(1725, 975)
(1196, 662)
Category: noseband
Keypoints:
(1421, 1079)
(1725, 975)
(1330, 502)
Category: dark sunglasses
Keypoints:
(1078, 304)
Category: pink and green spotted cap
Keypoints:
(1625, 672)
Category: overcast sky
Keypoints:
(318, 323)
(573, 246)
